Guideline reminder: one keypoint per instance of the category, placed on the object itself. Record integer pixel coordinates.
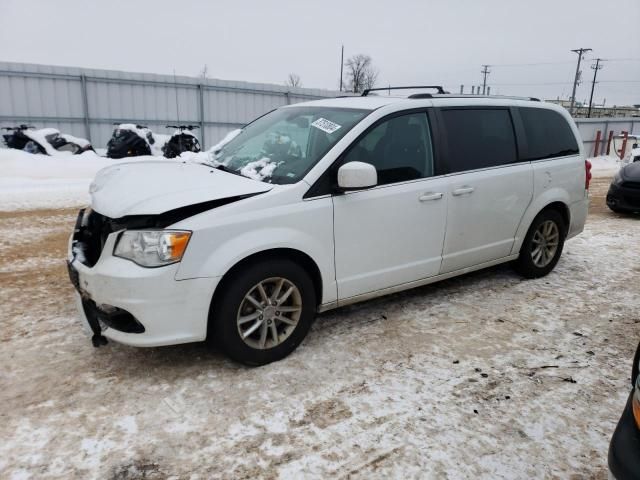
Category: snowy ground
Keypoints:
(484, 376)
(605, 166)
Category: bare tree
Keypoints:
(293, 80)
(360, 73)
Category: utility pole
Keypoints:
(485, 71)
(341, 66)
(595, 68)
(580, 52)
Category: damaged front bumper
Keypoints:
(133, 305)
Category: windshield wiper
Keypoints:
(224, 168)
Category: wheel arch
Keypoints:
(301, 258)
(557, 203)
(562, 209)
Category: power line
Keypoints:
(529, 64)
(580, 52)
(595, 68)
(485, 71)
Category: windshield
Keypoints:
(282, 146)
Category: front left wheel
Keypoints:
(263, 311)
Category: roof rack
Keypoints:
(463, 95)
(439, 88)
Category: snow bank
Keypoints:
(29, 181)
(606, 166)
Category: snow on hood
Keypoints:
(156, 186)
(41, 135)
(81, 142)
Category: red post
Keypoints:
(596, 149)
(625, 137)
(609, 142)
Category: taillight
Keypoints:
(587, 172)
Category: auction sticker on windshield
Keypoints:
(326, 125)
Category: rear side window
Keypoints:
(479, 138)
(548, 134)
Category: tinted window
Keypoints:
(399, 148)
(548, 134)
(479, 138)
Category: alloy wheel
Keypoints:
(269, 313)
(544, 243)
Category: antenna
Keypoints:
(175, 84)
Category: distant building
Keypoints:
(597, 111)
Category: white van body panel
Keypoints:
(279, 219)
(481, 224)
(389, 235)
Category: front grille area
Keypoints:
(90, 235)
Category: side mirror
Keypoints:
(357, 175)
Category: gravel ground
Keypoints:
(485, 376)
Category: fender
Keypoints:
(539, 203)
(225, 241)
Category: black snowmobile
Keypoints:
(45, 141)
(130, 141)
(182, 140)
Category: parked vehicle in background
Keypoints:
(181, 141)
(635, 152)
(624, 192)
(46, 141)
(624, 449)
(129, 140)
(322, 204)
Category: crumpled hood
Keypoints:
(631, 172)
(157, 186)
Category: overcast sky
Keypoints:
(411, 42)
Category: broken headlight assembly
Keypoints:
(152, 248)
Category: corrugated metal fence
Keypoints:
(589, 127)
(87, 102)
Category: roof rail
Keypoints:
(463, 95)
(431, 87)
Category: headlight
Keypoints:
(152, 248)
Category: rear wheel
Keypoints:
(263, 312)
(542, 245)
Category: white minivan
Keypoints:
(322, 204)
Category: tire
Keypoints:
(231, 307)
(615, 209)
(534, 262)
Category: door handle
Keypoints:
(462, 191)
(430, 196)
